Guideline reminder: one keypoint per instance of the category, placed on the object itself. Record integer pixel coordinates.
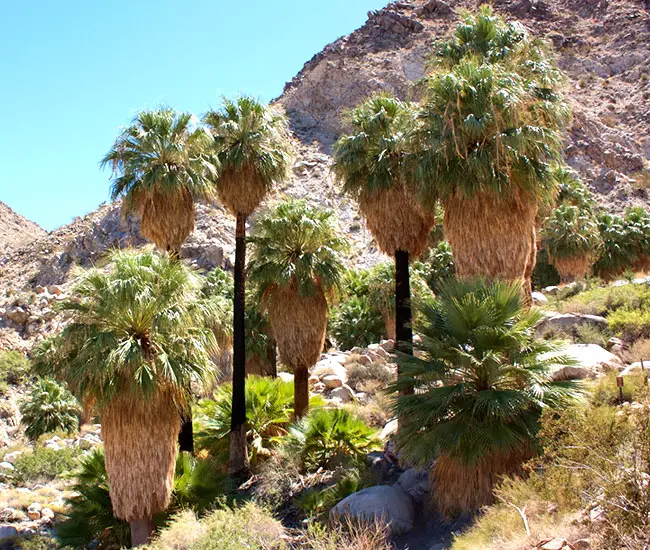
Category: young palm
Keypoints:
(295, 266)
(491, 126)
(572, 239)
(162, 166)
(481, 382)
(372, 164)
(251, 142)
(138, 335)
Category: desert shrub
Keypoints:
(604, 390)
(368, 378)
(607, 299)
(356, 323)
(50, 407)
(218, 283)
(315, 502)
(269, 408)
(37, 542)
(14, 367)
(249, 527)
(327, 438)
(639, 351)
(198, 486)
(437, 265)
(630, 324)
(45, 464)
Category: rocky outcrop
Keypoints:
(15, 230)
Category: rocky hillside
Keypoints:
(603, 45)
(15, 230)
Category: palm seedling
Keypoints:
(252, 145)
(50, 407)
(295, 266)
(138, 335)
(481, 382)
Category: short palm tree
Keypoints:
(251, 142)
(572, 239)
(490, 128)
(295, 265)
(372, 165)
(162, 165)
(138, 336)
(481, 383)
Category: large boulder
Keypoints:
(591, 361)
(381, 503)
(329, 366)
(568, 322)
(415, 483)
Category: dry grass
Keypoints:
(530, 267)
(20, 498)
(485, 244)
(350, 534)
(572, 268)
(396, 220)
(241, 190)
(140, 443)
(639, 350)
(377, 411)
(458, 488)
(166, 219)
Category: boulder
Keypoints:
(345, 393)
(332, 381)
(552, 290)
(34, 511)
(381, 503)
(11, 457)
(47, 514)
(6, 467)
(7, 532)
(554, 544)
(285, 376)
(567, 322)
(591, 361)
(415, 483)
(389, 430)
(538, 298)
(17, 314)
(329, 366)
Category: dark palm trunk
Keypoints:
(403, 330)
(140, 531)
(272, 355)
(238, 466)
(186, 434)
(300, 391)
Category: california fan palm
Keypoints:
(138, 335)
(251, 142)
(295, 266)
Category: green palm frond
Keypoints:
(570, 231)
(136, 328)
(50, 407)
(295, 244)
(481, 379)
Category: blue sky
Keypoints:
(75, 71)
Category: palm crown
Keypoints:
(296, 245)
(134, 330)
(252, 144)
(569, 231)
(482, 379)
(161, 165)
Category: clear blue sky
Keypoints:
(74, 71)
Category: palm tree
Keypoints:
(372, 164)
(162, 165)
(481, 383)
(491, 125)
(138, 336)
(295, 266)
(252, 144)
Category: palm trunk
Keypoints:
(403, 330)
(238, 466)
(140, 531)
(272, 354)
(300, 391)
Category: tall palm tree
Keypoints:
(252, 144)
(491, 125)
(295, 266)
(162, 165)
(138, 336)
(372, 164)
(481, 381)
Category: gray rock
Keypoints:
(567, 322)
(591, 361)
(345, 393)
(538, 298)
(332, 381)
(415, 483)
(390, 429)
(7, 532)
(6, 467)
(552, 290)
(381, 503)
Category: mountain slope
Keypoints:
(15, 230)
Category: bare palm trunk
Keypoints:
(272, 354)
(140, 531)
(300, 391)
(238, 465)
(403, 330)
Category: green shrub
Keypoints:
(218, 283)
(45, 464)
(630, 324)
(437, 266)
(356, 323)
(326, 438)
(198, 484)
(604, 390)
(316, 502)
(605, 300)
(14, 367)
(269, 408)
(50, 407)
